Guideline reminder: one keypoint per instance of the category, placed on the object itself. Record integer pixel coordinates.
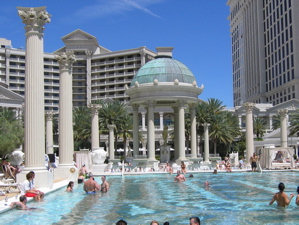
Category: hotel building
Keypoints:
(98, 73)
(265, 50)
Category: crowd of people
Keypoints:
(192, 221)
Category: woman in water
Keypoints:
(70, 186)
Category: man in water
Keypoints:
(280, 197)
(253, 160)
(91, 186)
(194, 220)
(21, 204)
(179, 177)
(105, 185)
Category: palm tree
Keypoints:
(294, 122)
(259, 127)
(125, 131)
(82, 127)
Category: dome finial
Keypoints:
(164, 52)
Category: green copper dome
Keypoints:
(164, 70)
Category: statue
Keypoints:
(165, 150)
(98, 156)
(16, 157)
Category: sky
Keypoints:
(197, 29)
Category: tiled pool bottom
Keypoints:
(234, 198)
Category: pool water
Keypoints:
(233, 198)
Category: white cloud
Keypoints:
(113, 7)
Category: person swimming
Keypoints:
(280, 197)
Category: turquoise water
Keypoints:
(234, 198)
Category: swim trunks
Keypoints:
(30, 195)
(253, 165)
(90, 192)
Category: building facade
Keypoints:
(98, 73)
(265, 50)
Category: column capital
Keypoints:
(49, 115)
(65, 60)
(282, 112)
(150, 103)
(206, 125)
(161, 113)
(94, 108)
(111, 126)
(192, 106)
(88, 53)
(248, 106)
(34, 19)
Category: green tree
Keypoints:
(82, 127)
(294, 122)
(11, 131)
(259, 127)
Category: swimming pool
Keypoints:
(234, 198)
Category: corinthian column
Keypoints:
(150, 132)
(95, 143)
(193, 132)
(135, 131)
(66, 140)
(249, 130)
(34, 20)
(283, 127)
(181, 132)
(206, 145)
(111, 141)
(49, 132)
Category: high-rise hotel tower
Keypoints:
(265, 50)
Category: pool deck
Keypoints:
(13, 197)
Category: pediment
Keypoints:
(10, 98)
(79, 35)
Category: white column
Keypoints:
(135, 131)
(249, 130)
(111, 141)
(240, 121)
(49, 132)
(95, 137)
(181, 132)
(66, 139)
(206, 144)
(88, 75)
(150, 132)
(176, 134)
(143, 120)
(34, 20)
(161, 120)
(193, 132)
(283, 127)
(271, 122)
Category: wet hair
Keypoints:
(29, 175)
(166, 223)
(70, 184)
(121, 222)
(154, 221)
(191, 175)
(281, 187)
(196, 219)
(298, 189)
(22, 198)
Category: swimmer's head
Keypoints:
(23, 198)
(298, 189)
(281, 187)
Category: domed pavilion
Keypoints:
(164, 82)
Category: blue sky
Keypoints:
(197, 29)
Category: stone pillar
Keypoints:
(88, 75)
(181, 132)
(206, 145)
(34, 20)
(270, 122)
(150, 132)
(95, 137)
(283, 127)
(193, 132)
(176, 134)
(161, 120)
(135, 131)
(249, 130)
(66, 139)
(111, 141)
(49, 133)
(142, 56)
(143, 120)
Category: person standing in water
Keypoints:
(280, 197)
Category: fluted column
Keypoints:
(150, 132)
(206, 144)
(283, 127)
(95, 137)
(249, 130)
(111, 141)
(193, 132)
(176, 133)
(66, 140)
(88, 75)
(181, 131)
(161, 120)
(143, 120)
(34, 20)
(49, 132)
(270, 122)
(135, 131)
(240, 121)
